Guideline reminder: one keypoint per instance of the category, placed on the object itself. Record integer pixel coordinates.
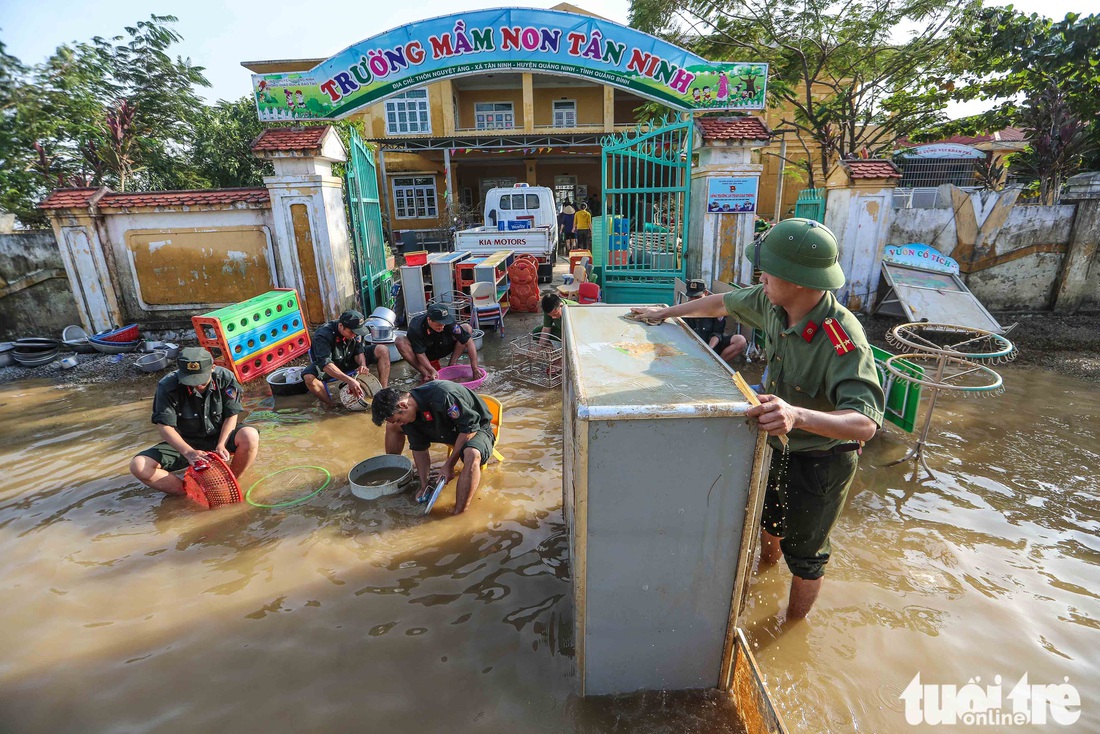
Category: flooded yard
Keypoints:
(129, 611)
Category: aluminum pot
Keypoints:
(381, 332)
(6, 359)
(384, 314)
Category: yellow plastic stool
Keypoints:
(497, 411)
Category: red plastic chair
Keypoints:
(588, 293)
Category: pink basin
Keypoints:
(460, 373)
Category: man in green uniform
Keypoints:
(195, 411)
(822, 392)
(439, 412)
(551, 316)
(339, 354)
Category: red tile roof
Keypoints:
(78, 198)
(873, 168)
(733, 128)
(289, 139)
(1008, 135)
(198, 197)
(68, 199)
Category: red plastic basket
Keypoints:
(420, 257)
(125, 334)
(214, 485)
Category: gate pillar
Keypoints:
(719, 239)
(313, 250)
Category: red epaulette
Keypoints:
(842, 343)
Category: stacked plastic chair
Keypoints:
(257, 336)
(523, 296)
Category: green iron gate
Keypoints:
(811, 205)
(644, 233)
(375, 279)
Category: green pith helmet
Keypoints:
(799, 251)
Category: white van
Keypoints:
(522, 219)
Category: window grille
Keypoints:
(565, 113)
(494, 116)
(408, 113)
(414, 198)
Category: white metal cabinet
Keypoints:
(662, 476)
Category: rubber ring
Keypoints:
(288, 503)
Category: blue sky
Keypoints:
(219, 35)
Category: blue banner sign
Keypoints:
(509, 39)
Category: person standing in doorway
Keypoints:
(582, 225)
(822, 392)
(567, 215)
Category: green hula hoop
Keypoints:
(288, 503)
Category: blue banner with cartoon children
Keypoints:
(508, 39)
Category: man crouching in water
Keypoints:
(195, 411)
(438, 412)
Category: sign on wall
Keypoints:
(944, 150)
(920, 256)
(732, 194)
(511, 39)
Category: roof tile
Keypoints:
(289, 139)
(1008, 135)
(199, 197)
(79, 198)
(733, 128)
(68, 199)
(873, 168)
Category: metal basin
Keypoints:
(114, 347)
(35, 357)
(395, 356)
(153, 362)
(381, 476)
(280, 386)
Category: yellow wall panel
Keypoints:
(198, 265)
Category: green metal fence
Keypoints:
(366, 225)
(644, 233)
(811, 205)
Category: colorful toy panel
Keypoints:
(257, 336)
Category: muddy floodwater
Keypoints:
(127, 611)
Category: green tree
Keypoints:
(108, 111)
(221, 145)
(1058, 142)
(841, 74)
(1039, 75)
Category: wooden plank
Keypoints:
(751, 397)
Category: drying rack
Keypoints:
(537, 359)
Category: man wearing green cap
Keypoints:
(434, 335)
(339, 354)
(822, 392)
(195, 411)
